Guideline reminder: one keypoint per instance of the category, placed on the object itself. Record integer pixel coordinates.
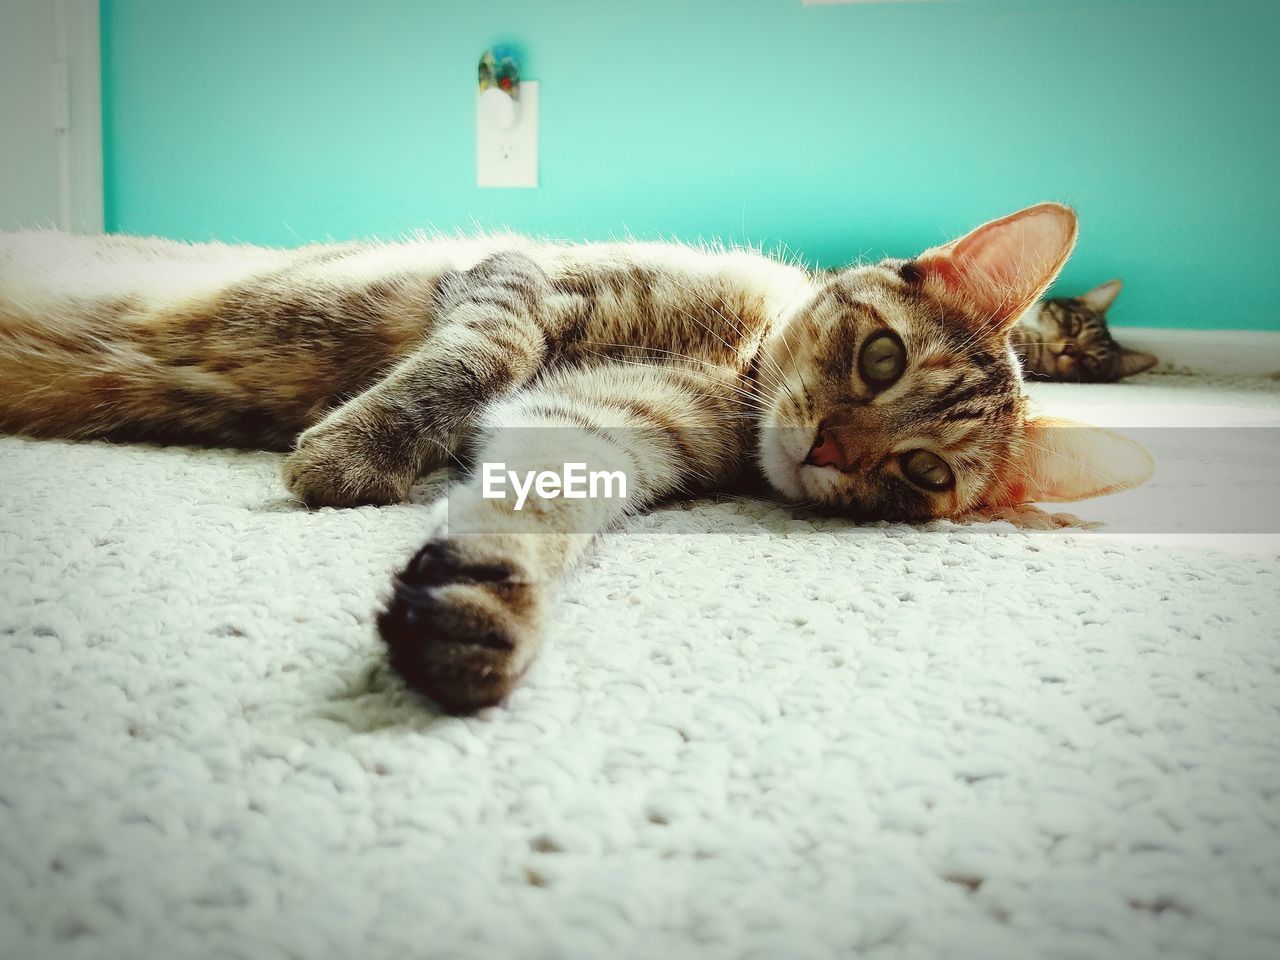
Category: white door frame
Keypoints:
(78, 114)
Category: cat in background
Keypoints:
(885, 391)
(1066, 338)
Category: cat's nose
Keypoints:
(1067, 349)
(826, 452)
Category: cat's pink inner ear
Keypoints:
(993, 274)
(1101, 297)
(1064, 460)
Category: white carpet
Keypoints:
(792, 739)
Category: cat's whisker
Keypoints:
(700, 361)
(741, 331)
(781, 316)
(768, 379)
(778, 377)
(735, 394)
(1085, 468)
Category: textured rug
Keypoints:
(751, 734)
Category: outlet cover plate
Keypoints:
(509, 158)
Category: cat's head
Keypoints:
(891, 391)
(1070, 340)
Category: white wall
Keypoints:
(50, 128)
(29, 188)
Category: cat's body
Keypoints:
(139, 338)
(1067, 338)
(884, 391)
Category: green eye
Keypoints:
(882, 360)
(927, 470)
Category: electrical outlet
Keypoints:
(507, 150)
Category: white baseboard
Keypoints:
(1241, 353)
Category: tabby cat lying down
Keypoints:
(1066, 338)
(886, 391)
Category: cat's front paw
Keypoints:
(340, 465)
(463, 623)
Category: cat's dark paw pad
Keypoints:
(462, 623)
(331, 470)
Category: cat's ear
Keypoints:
(1101, 297)
(993, 274)
(1125, 363)
(1064, 460)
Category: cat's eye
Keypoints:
(927, 470)
(882, 360)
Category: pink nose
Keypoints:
(826, 452)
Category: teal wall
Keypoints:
(843, 131)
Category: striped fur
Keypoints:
(689, 369)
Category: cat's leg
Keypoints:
(466, 615)
(490, 336)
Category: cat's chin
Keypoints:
(781, 467)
